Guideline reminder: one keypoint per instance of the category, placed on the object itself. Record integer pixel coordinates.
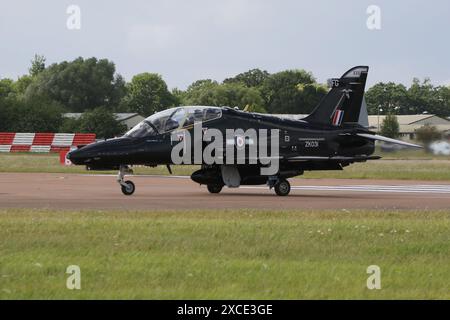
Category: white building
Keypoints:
(410, 123)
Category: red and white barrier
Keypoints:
(42, 142)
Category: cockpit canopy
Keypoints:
(174, 118)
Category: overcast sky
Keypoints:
(196, 39)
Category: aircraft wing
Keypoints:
(386, 139)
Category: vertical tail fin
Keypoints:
(344, 102)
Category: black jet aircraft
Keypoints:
(332, 137)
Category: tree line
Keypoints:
(35, 102)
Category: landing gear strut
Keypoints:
(127, 187)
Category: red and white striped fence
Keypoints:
(42, 142)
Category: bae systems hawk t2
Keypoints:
(235, 147)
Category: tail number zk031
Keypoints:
(311, 144)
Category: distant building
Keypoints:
(410, 123)
(128, 119)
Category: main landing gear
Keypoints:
(127, 187)
(282, 186)
(214, 188)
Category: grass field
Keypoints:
(409, 165)
(224, 254)
(49, 162)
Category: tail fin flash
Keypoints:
(344, 103)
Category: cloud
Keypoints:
(150, 38)
(231, 12)
(189, 40)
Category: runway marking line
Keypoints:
(420, 188)
(372, 188)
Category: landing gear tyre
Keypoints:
(214, 188)
(282, 188)
(129, 189)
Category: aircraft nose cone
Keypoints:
(76, 156)
(103, 152)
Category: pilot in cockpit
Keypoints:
(194, 115)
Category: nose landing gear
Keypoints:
(127, 187)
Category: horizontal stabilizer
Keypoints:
(386, 139)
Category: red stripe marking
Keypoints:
(83, 138)
(335, 116)
(59, 149)
(7, 137)
(43, 139)
(20, 148)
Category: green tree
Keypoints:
(100, 121)
(20, 115)
(39, 115)
(119, 91)
(147, 93)
(390, 127)
(7, 113)
(7, 98)
(424, 97)
(208, 92)
(238, 95)
(420, 97)
(37, 65)
(201, 92)
(79, 85)
(389, 96)
(282, 93)
(21, 85)
(70, 125)
(443, 101)
(252, 78)
(427, 134)
(179, 96)
(6, 88)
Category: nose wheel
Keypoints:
(127, 187)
